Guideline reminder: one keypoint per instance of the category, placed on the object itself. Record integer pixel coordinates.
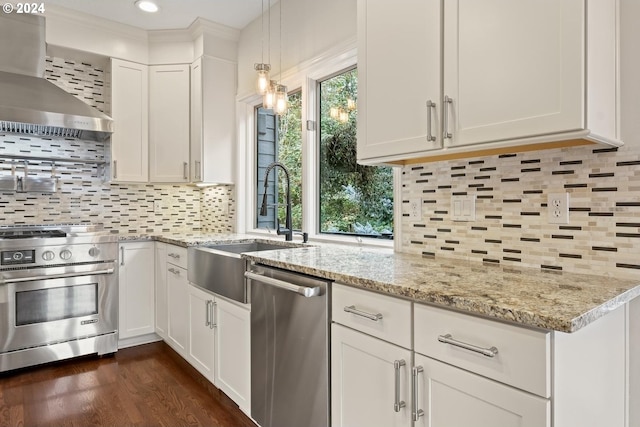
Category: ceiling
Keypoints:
(173, 14)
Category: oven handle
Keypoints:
(56, 276)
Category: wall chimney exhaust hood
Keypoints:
(30, 104)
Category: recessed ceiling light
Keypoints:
(147, 6)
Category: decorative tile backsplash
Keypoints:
(218, 209)
(511, 227)
(82, 196)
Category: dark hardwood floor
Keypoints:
(148, 385)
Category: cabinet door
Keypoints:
(169, 123)
(136, 286)
(233, 351)
(399, 46)
(178, 303)
(363, 381)
(130, 112)
(513, 69)
(162, 310)
(213, 106)
(201, 331)
(450, 396)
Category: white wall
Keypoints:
(310, 28)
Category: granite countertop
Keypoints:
(187, 239)
(557, 301)
(550, 300)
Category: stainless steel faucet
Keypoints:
(288, 226)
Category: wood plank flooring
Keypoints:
(147, 385)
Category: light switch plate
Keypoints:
(463, 208)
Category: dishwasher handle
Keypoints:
(301, 290)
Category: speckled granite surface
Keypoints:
(195, 239)
(550, 300)
(553, 300)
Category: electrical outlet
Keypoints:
(415, 208)
(558, 208)
(157, 207)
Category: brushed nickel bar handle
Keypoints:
(447, 106)
(214, 324)
(353, 310)
(207, 313)
(115, 169)
(301, 290)
(197, 167)
(430, 106)
(448, 339)
(56, 276)
(398, 404)
(121, 255)
(416, 412)
(185, 168)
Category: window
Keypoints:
(353, 199)
(343, 198)
(279, 139)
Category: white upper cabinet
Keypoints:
(399, 47)
(169, 123)
(130, 112)
(442, 79)
(213, 91)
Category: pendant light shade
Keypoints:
(263, 82)
(282, 100)
(269, 97)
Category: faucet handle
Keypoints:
(304, 234)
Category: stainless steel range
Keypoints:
(58, 293)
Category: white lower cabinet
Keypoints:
(233, 351)
(178, 308)
(219, 343)
(162, 309)
(136, 289)
(364, 374)
(448, 396)
(201, 331)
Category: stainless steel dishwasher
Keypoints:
(289, 348)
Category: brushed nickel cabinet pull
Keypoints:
(447, 107)
(448, 339)
(416, 412)
(430, 106)
(398, 404)
(353, 310)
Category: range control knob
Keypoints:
(48, 255)
(94, 252)
(65, 254)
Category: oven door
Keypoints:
(50, 305)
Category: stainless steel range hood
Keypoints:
(29, 103)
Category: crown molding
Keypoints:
(83, 19)
(203, 26)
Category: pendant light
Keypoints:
(281, 98)
(263, 82)
(269, 97)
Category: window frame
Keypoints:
(305, 78)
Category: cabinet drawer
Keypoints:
(522, 356)
(393, 315)
(177, 255)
